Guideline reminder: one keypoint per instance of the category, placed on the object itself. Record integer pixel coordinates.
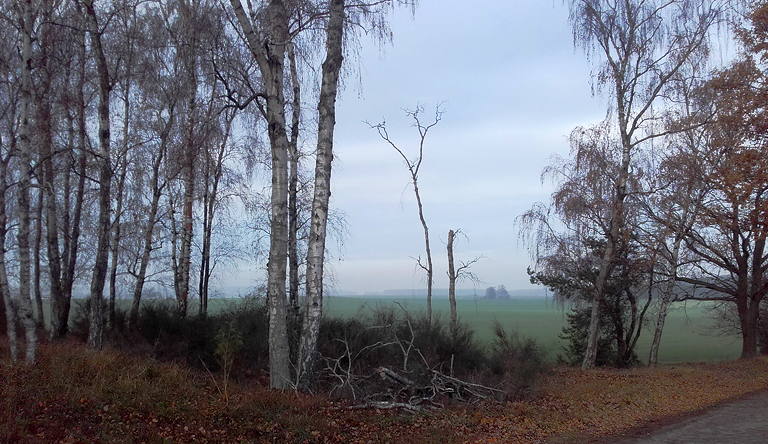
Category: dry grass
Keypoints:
(71, 396)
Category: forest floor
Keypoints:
(72, 396)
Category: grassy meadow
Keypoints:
(689, 335)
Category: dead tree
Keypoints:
(414, 165)
(454, 274)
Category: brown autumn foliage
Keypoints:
(72, 396)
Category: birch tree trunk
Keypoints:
(210, 202)
(25, 172)
(96, 330)
(293, 180)
(667, 296)
(40, 316)
(5, 288)
(319, 217)
(116, 235)
(269, 52)
(60, 304)
(117, 228)
(149, 227)
(48, 177)
(185, 252)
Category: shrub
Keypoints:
(576, 334)
(80, 324)
(519, 360)
(352, 351)
(164, 333)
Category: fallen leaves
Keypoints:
(73, 396)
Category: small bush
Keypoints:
(576, 334)
(164, 333)
(519, 360)
(80, 324)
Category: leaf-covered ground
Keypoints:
(71, 396)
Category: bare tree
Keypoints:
(322, 192)
(641, 46)
(75, 112)
(27, 21)
(96, 330)
(674, 201)
(414, 165)
(457, 274)
(267, 39)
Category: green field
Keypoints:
(689, 335)
(688, 332)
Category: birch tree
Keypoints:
(103, 229)
(10, 97)
(267, 39)
(27, 20)
(639, 46)
(675, 199)
(75, 111)
(319, 219)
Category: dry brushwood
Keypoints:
(409, 388)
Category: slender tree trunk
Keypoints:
(209, 208)
(37, 272)
(612, 239)
(205, 256)
(452, 284)
(270, 56)
(667, 296)
(60, 304)
(319, 218)
(185, 253)
(116, 236)
(293, 180)
(47, 178)
(96, 330)
(149, 228)
(25, 172)
(5, 288)
(428, 267)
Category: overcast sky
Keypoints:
(513, 88)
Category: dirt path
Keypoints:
(741, 422)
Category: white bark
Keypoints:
(293, 180)
(319, 217)
(96, 330)
(25, 172)
(5, 288)
(667, 296)
(638, 63)
(269, 52)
